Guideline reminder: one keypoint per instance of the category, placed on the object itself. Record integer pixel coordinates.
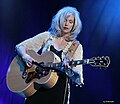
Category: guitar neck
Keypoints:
(80, 62)
(71, 63)
(95, 62)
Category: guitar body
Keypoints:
(17, 84)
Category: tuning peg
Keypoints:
(102, 56)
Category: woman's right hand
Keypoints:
(28, 59)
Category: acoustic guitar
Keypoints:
(26, 81)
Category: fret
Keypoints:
(78, 62)
(48, 65)
(86, 61)
(56, 65)
(51, 65)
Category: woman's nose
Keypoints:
(66, 23)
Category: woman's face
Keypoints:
(68, 24)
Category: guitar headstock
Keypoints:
(103, 61)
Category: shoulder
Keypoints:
(79, 46)
(45, 34)
(76, 43)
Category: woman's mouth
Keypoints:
(65, 28)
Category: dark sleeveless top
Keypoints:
(55, 95)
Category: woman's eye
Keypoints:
(71, 22)
(65, 20)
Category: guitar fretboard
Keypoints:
(71, 63)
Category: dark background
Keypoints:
(22, 19)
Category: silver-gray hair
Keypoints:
(58, 20)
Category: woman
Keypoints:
(65, 27)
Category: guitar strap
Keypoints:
(69, 55)
(72, 49)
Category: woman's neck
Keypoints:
(59, 43)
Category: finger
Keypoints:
(67, 64)
(29, 63)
